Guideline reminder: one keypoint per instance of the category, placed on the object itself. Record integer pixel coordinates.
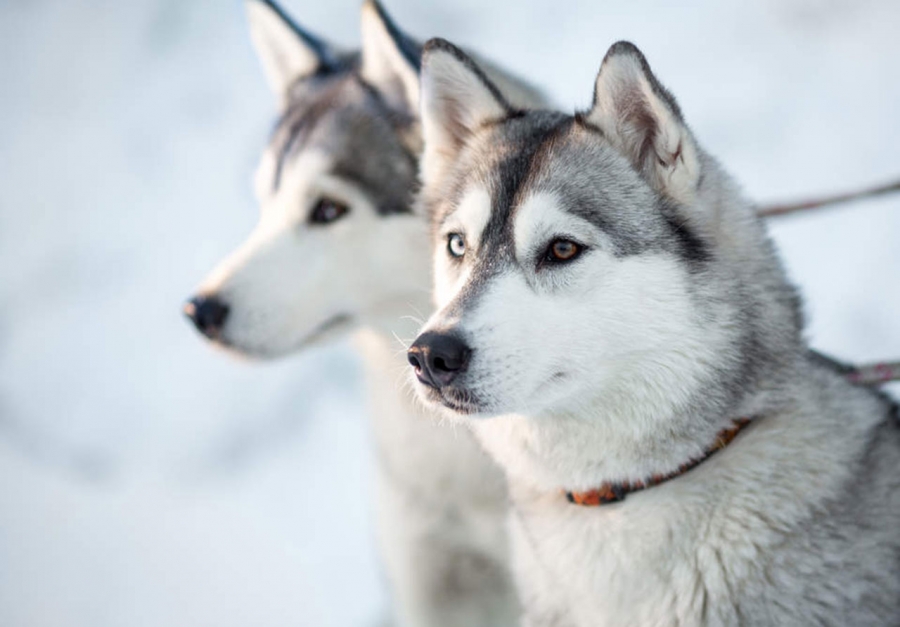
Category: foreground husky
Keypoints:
(616, 327)
(338, 248)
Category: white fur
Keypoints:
(620, 309)
(470, 219)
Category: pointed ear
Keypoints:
(287, 51)
(390, 58)
(642, 120)
(457, 100)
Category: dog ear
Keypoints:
(287, 51)
(390, 58)
(457, 100)
(642, 120)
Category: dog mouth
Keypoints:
(457, 400)
(320, 332)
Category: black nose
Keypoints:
(207, 313)
(438, 358)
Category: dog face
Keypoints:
(337, 243)
(580, 262)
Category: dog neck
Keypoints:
(623, 434)
(614, 492)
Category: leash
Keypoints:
(874, 374)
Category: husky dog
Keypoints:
(339, 249)
(610, 313)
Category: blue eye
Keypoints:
(456, 245)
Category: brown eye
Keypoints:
(327, 211)
(562, 250)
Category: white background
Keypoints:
(146, 479)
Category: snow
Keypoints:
(146, 479)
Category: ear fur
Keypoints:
(643, 121)
(457, 99)
(287, 51)
(390, 59)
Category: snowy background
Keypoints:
(146, 479)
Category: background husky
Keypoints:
(608, 305)
(338, 248)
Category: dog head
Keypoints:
(598, 266)
(337, 243)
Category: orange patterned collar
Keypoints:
(614, 492)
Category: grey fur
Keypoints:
(777, 529)
(342, 115)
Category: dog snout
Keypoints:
(438, 358)
(208, 314)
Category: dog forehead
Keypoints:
(499, 163)
(570, 167)
(556, 168)
(332, 112)
(581, 175)
(345, 118)
(472, 212)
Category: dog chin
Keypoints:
(250, 352)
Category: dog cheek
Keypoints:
(449, 279)
(510, 359)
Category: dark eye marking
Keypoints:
(327, 211)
